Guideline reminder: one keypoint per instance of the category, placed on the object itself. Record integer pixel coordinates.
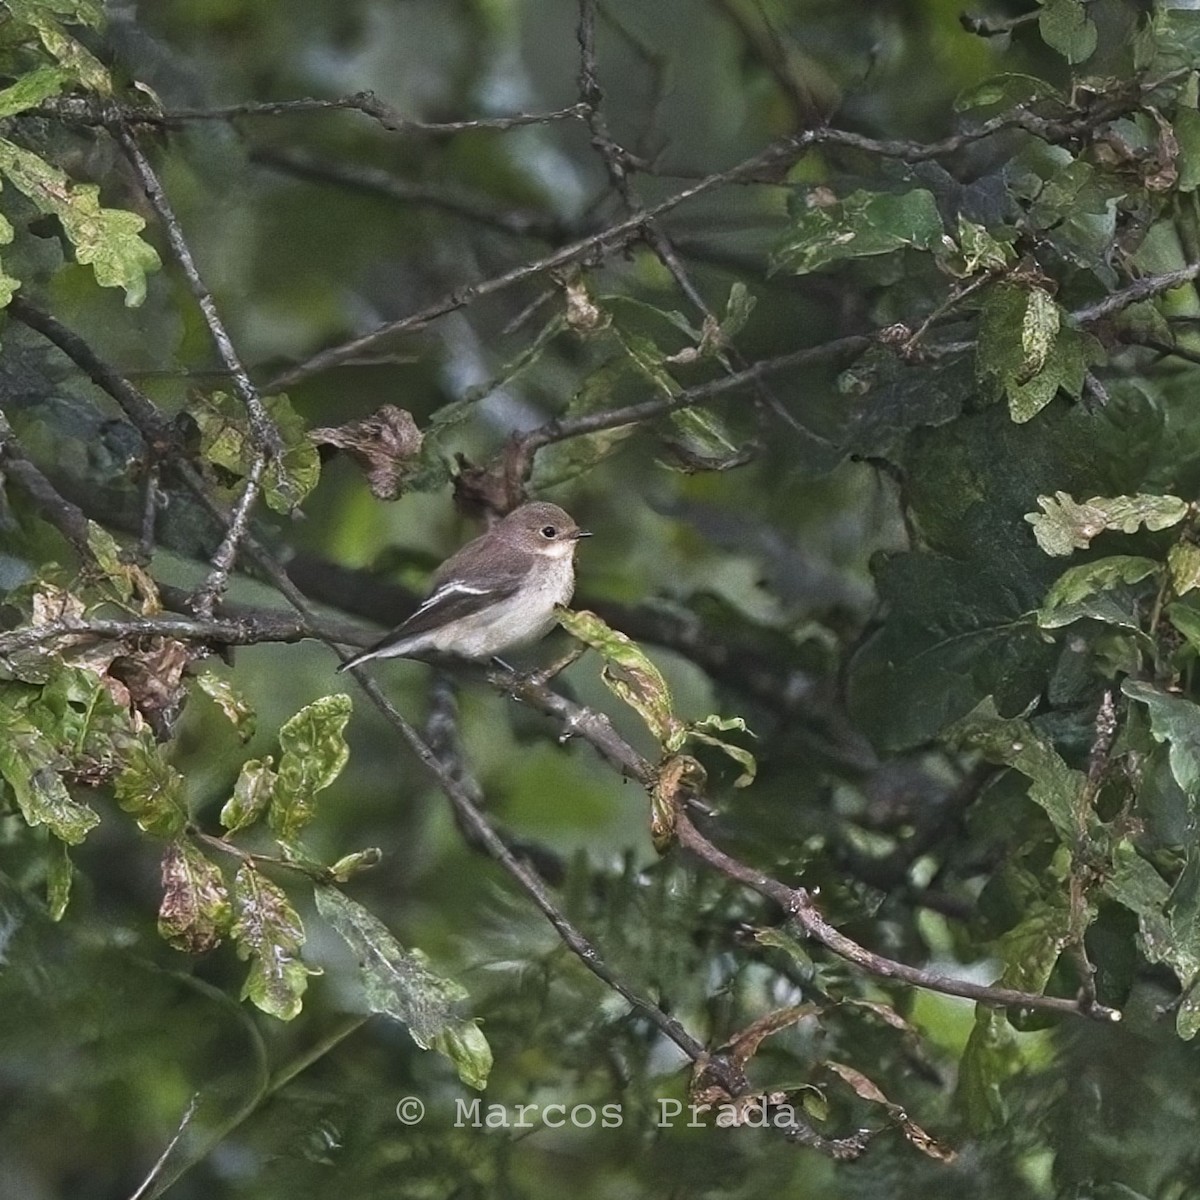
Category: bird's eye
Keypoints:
(548, 531)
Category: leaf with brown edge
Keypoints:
(629, 674)
(126, 579)
(866, 1089)
(385, 445)
(195, 911)
(678, 777)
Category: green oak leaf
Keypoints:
(31, 764)
(1065, 525)
(1066, 27)
(106, 239)
(1175, 721)
(269, 933)
(1056, 788)
(152, 790)
(863, 224)
(313, 753)
(398, 983)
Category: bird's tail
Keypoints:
(356, 661)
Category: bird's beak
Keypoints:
(581, 533)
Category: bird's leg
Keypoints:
(517, 679)
(543, 677)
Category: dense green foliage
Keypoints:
(863, 338)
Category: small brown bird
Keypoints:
(499, 591)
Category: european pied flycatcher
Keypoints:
(497, 592)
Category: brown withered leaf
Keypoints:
(51, 603)
(709, 1086)
(484, 492)
(1161, 173)
(744, 1044)
(584, 315)
(679, 778)
(154, 680)
(385, 445)
(195, 905)
(870, 1091)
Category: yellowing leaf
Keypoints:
(106, 239)
(699, 730)
(1183, 560)
(1039, 329)
(629, 674)
(251, 795)
(313, 755)
(239, 714)
(1064, 525)
(225, 440)
(30, 765)
(152, 790)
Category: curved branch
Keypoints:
(796, 902)
(521, 449)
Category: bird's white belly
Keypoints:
(520, 619)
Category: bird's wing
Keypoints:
(460, 589)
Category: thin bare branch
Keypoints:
(226, 553)
(81, 112)
(376, 181)
(606, 241)
(155, 429)
(263, 429)
(766, 47)
(521, 449)
(157, 1169)
(1145, 288)
(266, 435)
(66, 517)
